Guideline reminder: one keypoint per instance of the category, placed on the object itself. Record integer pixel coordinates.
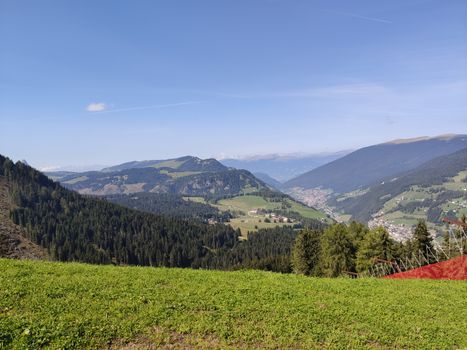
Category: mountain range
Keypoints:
(190, 176)
(370, 165)
(392, 184)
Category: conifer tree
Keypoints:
(377, 244)
(337, 251)
(305, 254)
(423, 243)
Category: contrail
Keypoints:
(355, 15)
(150, 107)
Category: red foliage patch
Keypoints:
(453, 269)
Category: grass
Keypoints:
(67, 306)
(195, 199)
(250, 202)
(246, 203)
(306, 211)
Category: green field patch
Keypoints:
(460, 177)
(246, 203)
(305, 211)
(46, 305)
(414, 195)
(250, 224)
(352, 194)
(195, 199)
(401, 218)
(248, 220)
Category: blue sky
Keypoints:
(102, 82)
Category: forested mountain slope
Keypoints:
(170, 205)
(370, 165)
(13, 241)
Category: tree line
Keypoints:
(350, 249)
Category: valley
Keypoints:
(243, 201)
(429, 191)
(233, 175)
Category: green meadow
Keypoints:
(46, 305)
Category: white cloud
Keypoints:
(50, 168)
(96, 107)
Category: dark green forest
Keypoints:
(169, 205)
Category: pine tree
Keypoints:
(447, 247)
(377, 244)
(357, 231)
(463, 234)
(337, 251)
(305, 254)
(423, 243)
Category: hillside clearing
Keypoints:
(57, 305)
(245, 206)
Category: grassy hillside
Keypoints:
(370, 165)
(57, 305)
(246, 219)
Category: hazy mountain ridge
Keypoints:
(283, 167)
(370, 165)
(186, 163)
